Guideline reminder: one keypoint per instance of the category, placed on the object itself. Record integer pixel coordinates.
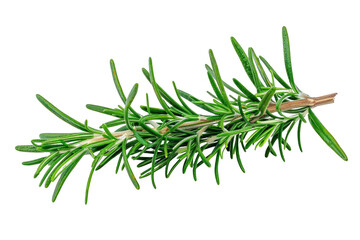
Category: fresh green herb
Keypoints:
(164, 137)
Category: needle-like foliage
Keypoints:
(177, 134)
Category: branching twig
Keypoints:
(164, 137)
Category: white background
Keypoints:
(62, 51)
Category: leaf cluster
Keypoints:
(176, 134)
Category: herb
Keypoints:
(175, 134)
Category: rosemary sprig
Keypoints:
(176, 133)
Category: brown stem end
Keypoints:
(326, 99)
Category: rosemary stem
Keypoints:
(305, 102)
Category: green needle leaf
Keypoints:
(62, 115)
(245, 91)
(237, 152)
(33, 162)
(93, 167)
(218, 80)
(287, 59)
(129, 100)
(280, 141)
(241, 111)
(153, 162)
(325, 135)
(256, 81)
(116, 81)
(264, 103)
(127, 166)
(216, 169)
(260, 69)
(156, 89)
(195, 166)
(164, 94)
(243, 58)
(194, 101)
(215, 88)
(182, 101)
(298, 135)
(200, 152)
(27, 148)
(65, 175)
(45, 162)
(277, 77)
